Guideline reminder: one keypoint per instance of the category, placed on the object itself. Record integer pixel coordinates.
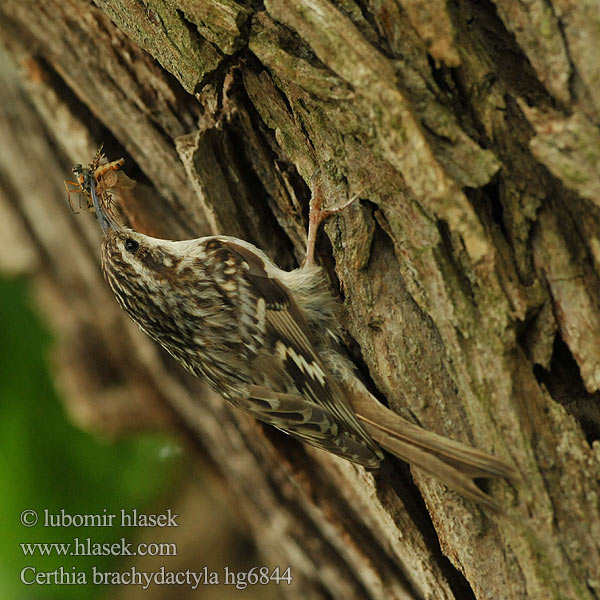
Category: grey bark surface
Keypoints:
(469, 270)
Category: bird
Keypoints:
(268, 341)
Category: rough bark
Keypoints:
(469, 270)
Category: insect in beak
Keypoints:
(94, 182)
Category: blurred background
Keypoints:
(48, 463)
(124, 452)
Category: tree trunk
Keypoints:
(469, 269)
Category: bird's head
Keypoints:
(147, 275)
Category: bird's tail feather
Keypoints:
(455, 464)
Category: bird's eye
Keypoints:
(131, 245)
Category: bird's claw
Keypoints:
(318, 214)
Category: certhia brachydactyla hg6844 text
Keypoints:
(266, 340)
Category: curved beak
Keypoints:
(105, 219)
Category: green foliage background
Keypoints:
(46, 463)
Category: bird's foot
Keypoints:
(318, 214)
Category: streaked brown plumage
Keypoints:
(266, 340)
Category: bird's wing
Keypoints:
(308, 422)
(284, 352)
